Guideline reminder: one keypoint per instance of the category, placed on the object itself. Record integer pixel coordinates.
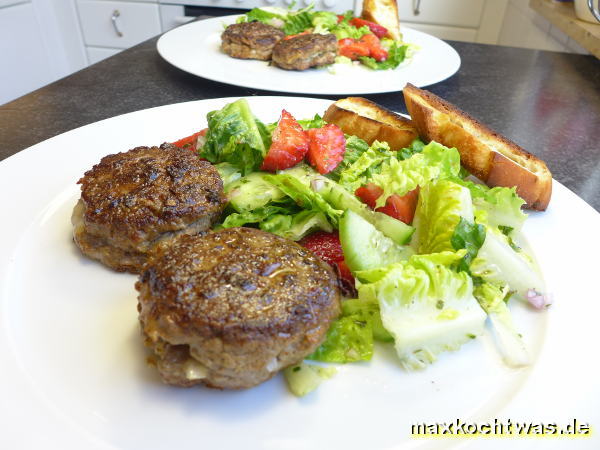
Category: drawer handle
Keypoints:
(114, 18)
(416, 7)
(595, 12)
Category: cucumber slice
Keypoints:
(340, 198)
(365, 247)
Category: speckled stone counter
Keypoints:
(547, 102)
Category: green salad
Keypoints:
(359, 40)
(425, 287)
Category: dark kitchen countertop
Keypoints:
(547, 102)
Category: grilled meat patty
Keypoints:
(250, 40)
(304, 51)
(231, 308)
(132, 202)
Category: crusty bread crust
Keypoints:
(489, 156)
(385, 13)
(369, 121)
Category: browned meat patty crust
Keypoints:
(132, 202)
(305, 51)
(231, 308)
(250, 40)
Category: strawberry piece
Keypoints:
(401, 207)
(327, 146)
(327, 246)
(369, 193)
(289, 144)
(344, 272)
(190, 141)
(376, 51)
(352, 48)
(376, 29)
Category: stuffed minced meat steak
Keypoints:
(250, 40)
(231, 308)
(135, 201)
(305, 51)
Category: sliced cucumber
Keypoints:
(365, 247)
(340, 198)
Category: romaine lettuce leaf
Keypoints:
(492, 299)
(497, 262)
(236, 136)
(399, 177)
(355, 147)
(369, 162)
(296, 226)
(349, 339)
(426, 306)
(441, 206)
(256, 216)
(498, 206)
(324, 21)
(396, 54)
(344, 30)
(297, 188)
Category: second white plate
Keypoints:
(195, 48)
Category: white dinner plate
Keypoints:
(195, 48)
(72, 363)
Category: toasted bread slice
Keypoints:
(490, 157)
(369, 121)
(385, 13)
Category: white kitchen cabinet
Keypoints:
(117, 24)
(97, 54)
(460, 20)
(39, 43)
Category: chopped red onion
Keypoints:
(538, 300)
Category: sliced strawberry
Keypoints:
(344, 272)
(369, 193)
(376, 51)
(189, 142)
(376, 29)
(326, 148)
(401, 207)
(327, 247)
(289, 144)
(352, 48)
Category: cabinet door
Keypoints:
(24, 60)
(457, 13)
(117, 24)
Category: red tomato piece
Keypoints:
(289, 144)
(190, 142)
(376, 51)
(369, 193)
(294, 35)
(352, 48)
(401, 207)
(327, 146)
(376, 29)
